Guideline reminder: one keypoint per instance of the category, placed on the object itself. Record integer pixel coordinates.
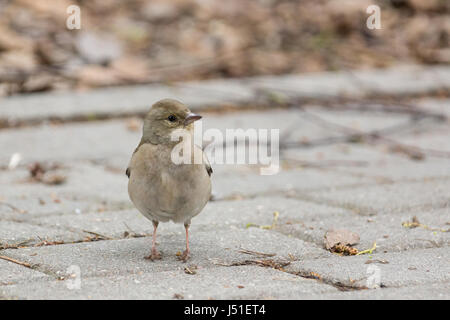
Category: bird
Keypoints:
(161, 189)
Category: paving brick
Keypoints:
(301, 180)
(215, 93)
(397, 81)
(387, 230)
(432, 291)
(209, 249)
(366, 188)
(84, 182)
(412, 267)
(438, 106)
(244, 282)
(436, 139)
(404, 170)
(12, 273)
(12, 233)
(392, 198)
(241, 214)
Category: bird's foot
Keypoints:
(184, 256)
(155, 255)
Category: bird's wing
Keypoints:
(128, 171)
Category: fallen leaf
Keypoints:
(343, 237)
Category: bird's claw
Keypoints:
(155, 255)
(185, 256)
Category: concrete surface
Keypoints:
(83, 239)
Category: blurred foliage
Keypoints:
(143, 41)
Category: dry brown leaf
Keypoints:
(343, 237)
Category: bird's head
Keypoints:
(166, 116)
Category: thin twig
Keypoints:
(255, 253)
(98, 235)
(12, 207)
(25, 264)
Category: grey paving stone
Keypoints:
(83, 182)
(387, 230)
(368, 189)
(412, 267)
(439, 106)
(374, 161)
(125, 100)
(137, 99)
(397, 81)
(391, 198)
(356, 159)
(363, 155)
(217, 214)
(284, 181)
(432, 291)
(12, 233)
(435, 139)
(91, 140)
(240, 282)
(71, 142)
(112, 224)
(403, 170)
(209, 249)
(353, 120)
(44, 204)
(12, 273)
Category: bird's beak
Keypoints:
(191, 117)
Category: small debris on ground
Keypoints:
(41, 173)
(341, 241)
(376, 261)
(255, 253)
(272, 226)
(368, 250)
(414, 223)
(178, 296)
(190, 270)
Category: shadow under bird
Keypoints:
(159, 188)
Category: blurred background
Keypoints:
(364, 144)
(147, 41)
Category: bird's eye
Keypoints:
(172, 118)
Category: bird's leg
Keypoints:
(185, 256)
(154, 255)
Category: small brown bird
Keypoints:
(159, 188)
